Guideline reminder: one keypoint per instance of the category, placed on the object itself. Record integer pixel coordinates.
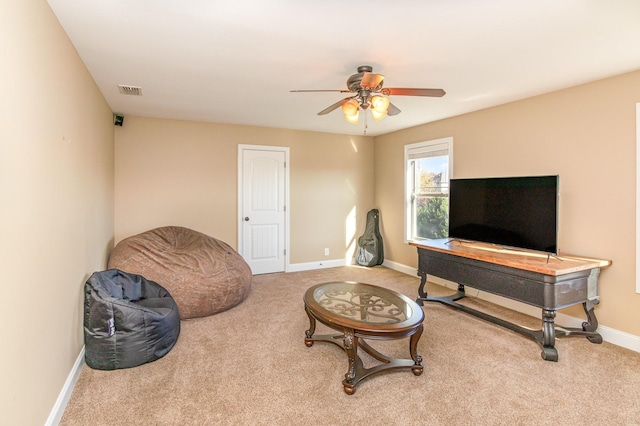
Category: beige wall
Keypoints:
(56, 213)
(171, 172)
(586, 134)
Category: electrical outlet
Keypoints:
(326, 252)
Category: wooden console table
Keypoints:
(550, 283)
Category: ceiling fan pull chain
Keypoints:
(365, 123)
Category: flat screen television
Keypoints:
(518, 212)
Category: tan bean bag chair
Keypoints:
(204, 275)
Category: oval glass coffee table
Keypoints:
(364, 311)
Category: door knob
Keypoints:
(246, 219)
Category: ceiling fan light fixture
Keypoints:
(378, 115)
(350, 107)
(353, 118)
(380, 104)
(379, 107)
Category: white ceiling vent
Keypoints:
(130, 90)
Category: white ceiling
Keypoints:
(235, 61)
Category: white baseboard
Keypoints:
(619, 338)
(611, 335)
(400, 267)
(297, 267)
(63, 398)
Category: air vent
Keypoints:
(130, 90)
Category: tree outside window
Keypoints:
(432, 205)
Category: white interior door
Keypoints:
(262, 223)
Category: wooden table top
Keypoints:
(363, 307)
(520, 259)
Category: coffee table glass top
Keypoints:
(364, 303)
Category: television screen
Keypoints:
(519, 212)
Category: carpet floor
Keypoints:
(249, 366)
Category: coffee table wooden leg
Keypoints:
(351, 348)
(312, 329)
(413, 350)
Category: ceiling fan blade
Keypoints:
(328, 109)
(321, 90)
(395, 91)
(371, 80)
(393, 110)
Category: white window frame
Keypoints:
(637, 197)
(411, 150)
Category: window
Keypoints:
(637, 197)
(427, 169)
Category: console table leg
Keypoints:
(422, 295)
(591, 324)
(549, 352)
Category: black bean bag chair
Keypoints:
(128, 320)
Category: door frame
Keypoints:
(285, 149)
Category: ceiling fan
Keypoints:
(369, 93)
